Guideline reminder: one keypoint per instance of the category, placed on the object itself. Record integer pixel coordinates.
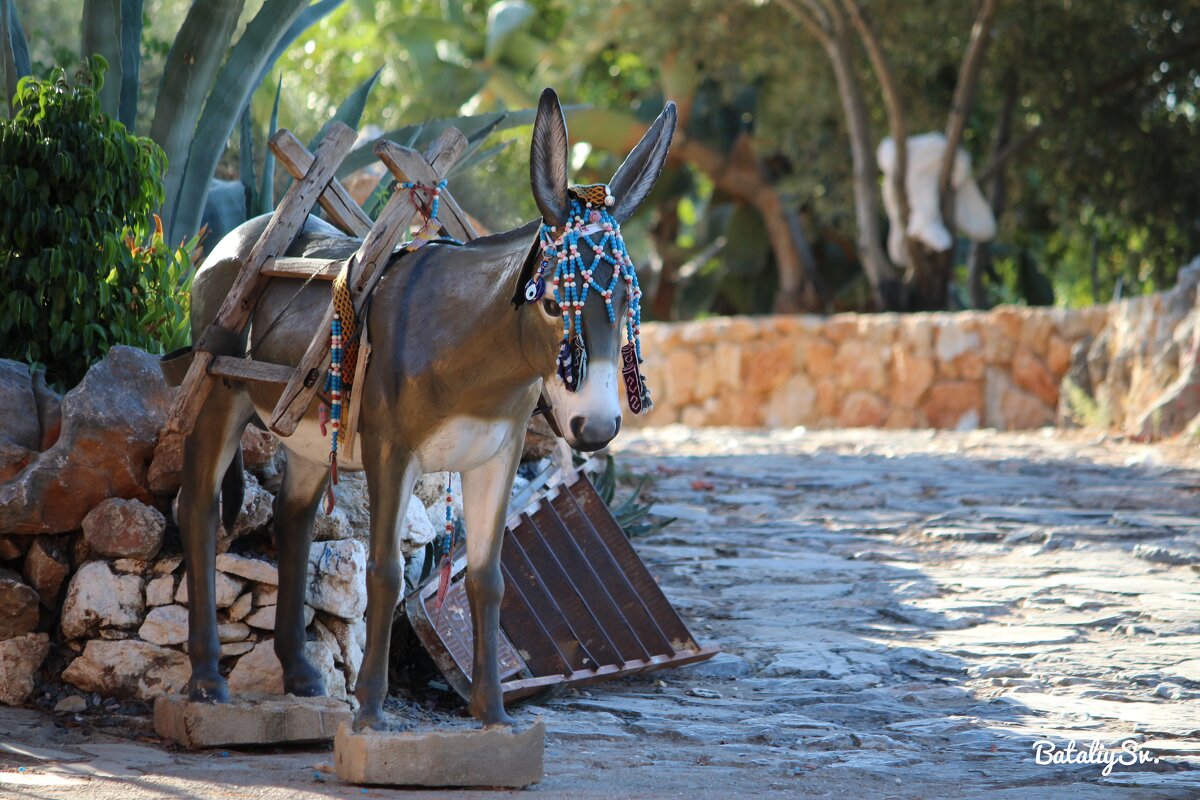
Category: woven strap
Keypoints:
(343, 304)
(593, 193)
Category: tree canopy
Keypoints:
(1081, 128)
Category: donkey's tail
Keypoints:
(233, 491)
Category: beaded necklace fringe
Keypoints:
(573, 279)
(345, 328)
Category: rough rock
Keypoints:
(18, 605)
(45, 568)
(49, 411)
(20, 658)
(160, 591)
(19, 425)
(241, 607)
(351, 640)
(252, 569)
(228, 590)
(259, 450)
(165, 625)
(110, 424)
(119, 528)
(255, 513)
(540, 440)
(14, 546)
(99, 598)
(128, 669)
(351, 517)
(259, 671)
(337, 578)
(264, 618)
(71, 704)
(418, 529)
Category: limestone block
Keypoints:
(255, 720)
(462, 757)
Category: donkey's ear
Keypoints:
(637, 176)
(548, 160)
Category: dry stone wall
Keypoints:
(964, 370)
(1132, 365)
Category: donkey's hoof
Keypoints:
(379, 721)
(304, 681)
(208, 690)
(493, 718)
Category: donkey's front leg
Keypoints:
(207, 454)
(486, 492)
(303, 484)
(391, 473)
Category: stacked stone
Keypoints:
(90, 561)
(1000, 369)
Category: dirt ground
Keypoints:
(902, 614)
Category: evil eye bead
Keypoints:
(534, 290)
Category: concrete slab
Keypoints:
(249, 720)
(467, 757)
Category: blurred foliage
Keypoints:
(1108, 182)
(82, 265)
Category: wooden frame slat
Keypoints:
(285, 223)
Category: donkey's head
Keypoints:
(584, 285)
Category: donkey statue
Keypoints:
(466, 342)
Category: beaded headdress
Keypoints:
(573, 279)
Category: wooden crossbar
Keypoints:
(290, 267)
(337, 202)
(235, 311)
(366, 268)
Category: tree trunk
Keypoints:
(665, 232)
(885, 285)
(964, 96)
(738, 173)
(980, 263)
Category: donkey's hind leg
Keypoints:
(207, 454)
(486, 492)
(303, 484)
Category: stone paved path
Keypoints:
(904, 615)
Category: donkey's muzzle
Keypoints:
(590, 435)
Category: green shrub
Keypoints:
(82, 262)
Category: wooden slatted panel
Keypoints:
(588, 504)
(633, 608)
(568, 553)
(523, 574)
(570, 585)
(566, 594)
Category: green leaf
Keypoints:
(504, 19)
(235, 81)
(266, 192)
(102, 36)
(351, 110)
(246, 159)
(187, 79)
(131, 60)
(14, 47)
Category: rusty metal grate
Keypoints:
(579, 604)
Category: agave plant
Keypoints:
(206, 84)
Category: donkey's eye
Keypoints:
(551, 307)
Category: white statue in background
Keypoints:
(972, 214)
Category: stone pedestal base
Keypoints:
(493, 757)
(250, 720)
